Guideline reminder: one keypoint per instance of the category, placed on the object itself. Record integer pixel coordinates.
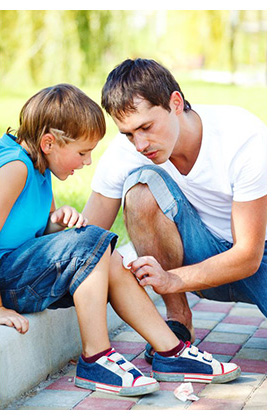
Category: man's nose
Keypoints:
(141, 143)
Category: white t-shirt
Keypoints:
(231, 165)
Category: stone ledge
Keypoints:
(52, 340)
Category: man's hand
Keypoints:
(67, 216)
(13, 319)
(150, 273)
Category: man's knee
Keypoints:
(139, 201)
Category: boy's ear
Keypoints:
(176, 102)
(47, 142)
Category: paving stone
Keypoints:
(243, 320)
(41, 408)
(223, 358)
(261, 333)
(142, 365)
(204, 323)
(215, 404)
(252, 311)
(66, 383)
(162, 399)
(229, 391)
(219, 348)
(213, 316)
(128, 347)
(252, 379)
(245, 305)
(52, 398)
(106, 395)
(129, 357)
(213, 307)
(200, 333)
(257, 343)
(104, 404)
(251, 365)
(250, 353)
(131, 336)
(258, 399)
(234, 328)
(263, 324)
(224, 337)
(171, 386)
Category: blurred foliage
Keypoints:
(81, 46)
(44, 47)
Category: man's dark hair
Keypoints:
(141, 78)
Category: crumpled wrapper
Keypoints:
(184, 392)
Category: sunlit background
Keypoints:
(217, 56)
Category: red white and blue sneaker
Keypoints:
(112, 373)
(193, 365)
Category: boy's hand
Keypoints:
(68, 216)
(13, 319)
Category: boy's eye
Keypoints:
(81, 154)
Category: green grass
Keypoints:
(76, 190)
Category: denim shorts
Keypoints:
(45, 272)
(198, 242)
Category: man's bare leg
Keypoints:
(152, 233)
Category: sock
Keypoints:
(174, 351)
(97, 356)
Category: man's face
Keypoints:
(152, 129)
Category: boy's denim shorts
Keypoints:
(198, 242)
(45, 272)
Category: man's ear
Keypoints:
(47, 142)
(176, 102)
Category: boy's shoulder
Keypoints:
(10, 150)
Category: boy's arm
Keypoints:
(101, 211)
(13, 177)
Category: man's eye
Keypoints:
(146, 128)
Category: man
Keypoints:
(193, 184)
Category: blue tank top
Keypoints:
(29, 214)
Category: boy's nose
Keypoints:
(87, 160)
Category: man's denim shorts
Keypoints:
(45, 272)
(198, 242)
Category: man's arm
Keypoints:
(241, 261)
(101, 211)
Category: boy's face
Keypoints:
(63, 160)
(152, 129)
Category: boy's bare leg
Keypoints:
(90, 300)
(133, 305)
(152, 233)
(129, 300)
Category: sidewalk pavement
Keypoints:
(234, 332)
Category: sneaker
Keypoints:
(112, 373)
(192, 365)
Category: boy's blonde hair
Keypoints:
(65, 112)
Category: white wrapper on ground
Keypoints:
(184, 392)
